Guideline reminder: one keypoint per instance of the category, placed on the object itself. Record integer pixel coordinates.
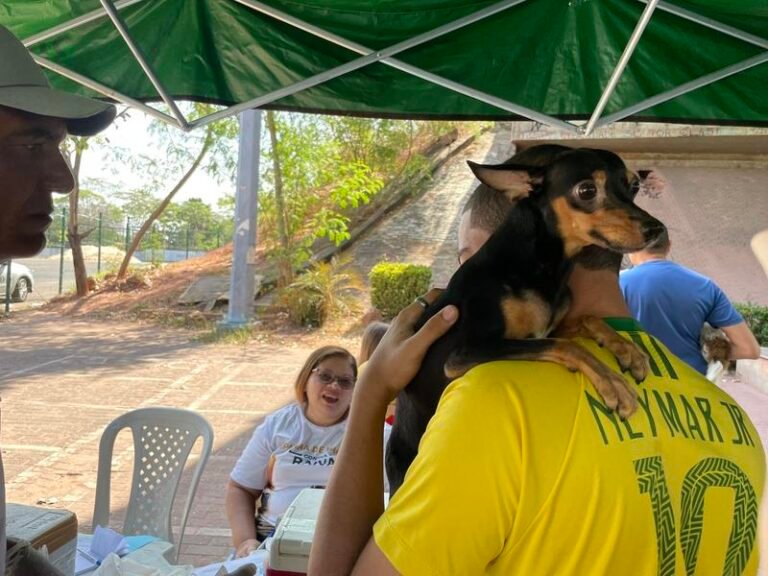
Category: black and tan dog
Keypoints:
(513, 292)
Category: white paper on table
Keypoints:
(113, 565)
(257, 557)
(84, 562)
(106, 541)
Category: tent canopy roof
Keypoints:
(553, 61)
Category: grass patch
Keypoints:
(220, 335)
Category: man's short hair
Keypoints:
(490, 207)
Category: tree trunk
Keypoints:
(73, 227)
(284, 264)
(139, 236)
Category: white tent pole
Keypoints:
(75, 23)
(402, 66)
(710, 23)
(241, 286)
(685, 88)
(629, 49)
(140, 58)
(105, 90)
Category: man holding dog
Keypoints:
(673, 302)
(34, 120)
(523, 470)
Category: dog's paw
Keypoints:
(617, 394)
(630, 357)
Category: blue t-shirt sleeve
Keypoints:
(723, 314)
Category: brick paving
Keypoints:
(63, 380)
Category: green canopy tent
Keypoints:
(572, 64)
(553, 61)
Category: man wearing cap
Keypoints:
(34, 120)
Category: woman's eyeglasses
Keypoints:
(327, 377)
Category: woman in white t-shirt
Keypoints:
(294, 448)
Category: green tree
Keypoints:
(210, 148)
(309, 186)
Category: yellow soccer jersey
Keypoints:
(523, 471)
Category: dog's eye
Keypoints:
(634, 187)
(587, 191)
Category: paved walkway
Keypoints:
(63, 380)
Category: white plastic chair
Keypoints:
(162, 439)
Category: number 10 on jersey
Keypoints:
(709, 472)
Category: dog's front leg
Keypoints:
(615, 391)
(628, 354)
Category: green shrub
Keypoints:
(756, 317)
(394, 285)
(326, 290)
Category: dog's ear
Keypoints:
(514, 182)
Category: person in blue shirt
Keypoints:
(673, 302)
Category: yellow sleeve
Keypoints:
(457, 505)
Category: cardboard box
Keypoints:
(289, 551)
(54, 529)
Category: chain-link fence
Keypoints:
(51, 272)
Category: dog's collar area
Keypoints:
(624, 324)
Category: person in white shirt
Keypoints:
(294, 448)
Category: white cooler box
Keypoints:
(289, 551)
(54, 529)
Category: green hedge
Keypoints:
(756, 317)
(394, 285)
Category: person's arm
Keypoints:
(744, 345)
(251, 474)
(354, 498)
(724, 315)
(240, 503)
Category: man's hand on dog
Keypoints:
(400, 353)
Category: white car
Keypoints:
(22, 281)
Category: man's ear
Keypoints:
(515, 182)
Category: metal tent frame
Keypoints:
(111, 9)
(241, 291)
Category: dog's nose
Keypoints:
(652, 230)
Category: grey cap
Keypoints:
(23, 86)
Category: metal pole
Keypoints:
(712, 24)
(186, 243)
(629, 49)
(684, 89)
(75, 23)
(241, 288)
(139, 56)
(102, 89)
(389, 61)
(8, 287)
(98, 258)
(61, 249)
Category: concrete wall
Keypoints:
(716, 200)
